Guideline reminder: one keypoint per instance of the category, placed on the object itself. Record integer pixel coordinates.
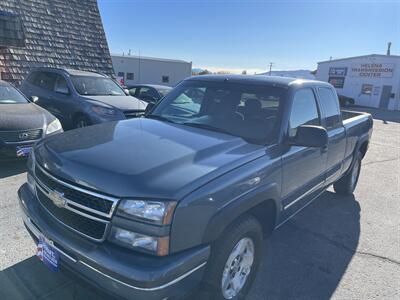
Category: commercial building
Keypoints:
(51, 33)
(371, 80)
(132, 69)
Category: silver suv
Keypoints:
(79, 98)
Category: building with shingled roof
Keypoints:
(51, 33)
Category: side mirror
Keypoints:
(310, 136)
(34, 99)
(149, 108)
(126, 91)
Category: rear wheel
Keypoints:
(347, 184)
(234, 261)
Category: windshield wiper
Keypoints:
(160, 118)
(207, 127)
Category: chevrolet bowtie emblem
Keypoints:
(58, 199)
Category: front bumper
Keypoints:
(119, 271)
(9, 151)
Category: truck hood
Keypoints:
(143, 157)
(14, 117)
(121, 102)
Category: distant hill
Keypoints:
(303, 74)
(197, 70)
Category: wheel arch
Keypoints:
(363, 147)
(262, 204)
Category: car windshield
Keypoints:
(10, 95)
(96, 86)
(249, 111)
(164, 91)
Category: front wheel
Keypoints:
(234, 261)
(347, 184)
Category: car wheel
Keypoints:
(81, 122)
(347, 184)
(234, 261)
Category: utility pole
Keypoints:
(270, 68)
(139, 66)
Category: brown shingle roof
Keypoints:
(59, 33)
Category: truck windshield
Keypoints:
(248, 111)
(96, 86)
(9, 95)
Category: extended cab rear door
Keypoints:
(332, 121)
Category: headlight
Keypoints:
(104, 111)
(156, 212)
(141, 242)
(54, 127)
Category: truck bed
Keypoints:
(358, 127)
(348, 114)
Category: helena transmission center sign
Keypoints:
(372, 70)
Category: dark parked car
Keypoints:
(81, 98)
(153, 207)
(150, 93)
(22, 123)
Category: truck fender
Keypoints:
(363, 138)
(237, 207)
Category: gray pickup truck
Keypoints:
(156, 207)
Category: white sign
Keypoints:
(372, 70)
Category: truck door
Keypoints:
(332, 121)
(303, 168)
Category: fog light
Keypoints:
(138, 241)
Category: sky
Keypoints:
(236, 35)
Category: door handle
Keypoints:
(324, 149)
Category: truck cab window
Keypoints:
(304, 111)
(329, 104)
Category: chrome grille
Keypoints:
(21, 136)
(86, 212)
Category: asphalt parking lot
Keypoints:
(338, 247)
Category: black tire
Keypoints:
(82, 121)
(347, 184)
(244, 229)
